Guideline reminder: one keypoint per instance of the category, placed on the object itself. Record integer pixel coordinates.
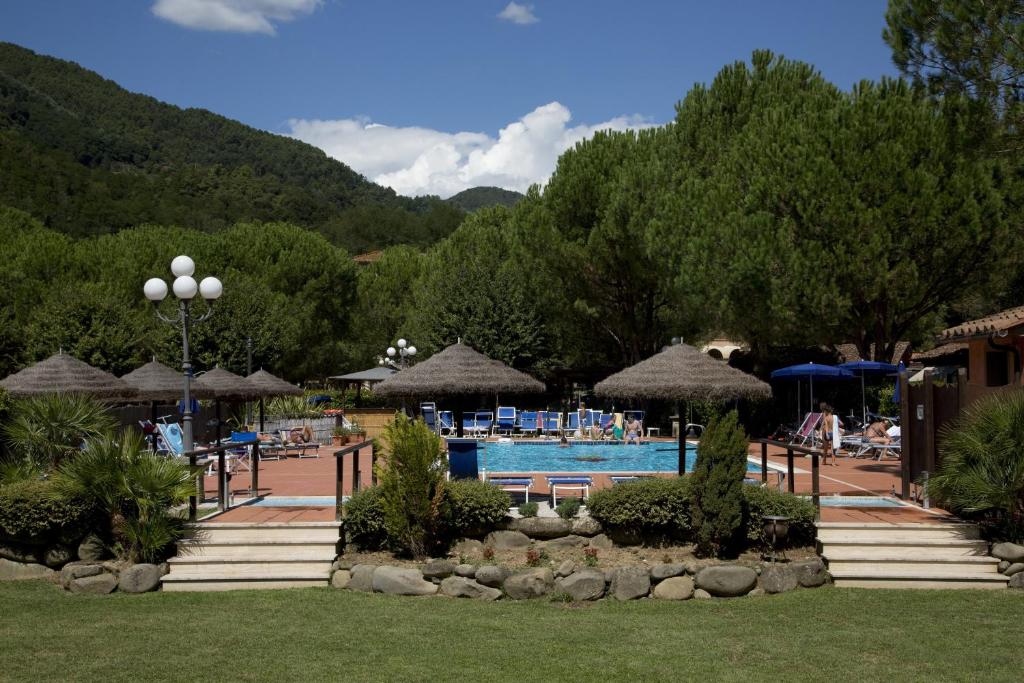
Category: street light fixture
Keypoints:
(185, 289)
(404, 352)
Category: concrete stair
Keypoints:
(235, 555)
(882, 555)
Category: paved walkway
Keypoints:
(316, 477)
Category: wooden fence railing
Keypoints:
(791, 451)
(339, 468)
(220, 452)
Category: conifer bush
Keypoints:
(716, 487)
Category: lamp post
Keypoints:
(185, 288)
(404, 352)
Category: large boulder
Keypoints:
(1011, 552)
(100, 584)
(630, 583)
(461, 587)
(1015, 568)
(674, 588)
(542, 527)
(701, 594)
(16, 571)
(778, 578)
(586, 584)
(92, 548)
(491, 575)
(438, 569)
(467, 571)
(586, 526)
(564, 542)
(401, 581)
(666, 570)
(78, 570)
(810, 573)
(601, 542)
(56, 556)
(361, 578)
(341, 578)
(1016, 581)
(727, 580)
(139, 578)
(16, 552)
(532, 583)
(567, 567)
(468, 546)
(506, 540)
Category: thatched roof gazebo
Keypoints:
(268, 385)
(157, 383)
(225, 386)
(62, 373)
(682, 373)
(459, 370)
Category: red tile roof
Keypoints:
(997, 322)
(368, 257)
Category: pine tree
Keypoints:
(716, 486)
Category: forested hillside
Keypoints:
(87, 157)
(484, 197)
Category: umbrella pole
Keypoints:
(217, 428)
(153, 436)
(863, 402)
(812, 406)
(682, 440)
(261, 415)
(798, 416)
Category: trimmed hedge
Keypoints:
(765, 501)
(30, 513)
(470, 508)
(568, 507)
(651, 508)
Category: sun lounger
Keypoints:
(428, 411)
(506, 422)
(807, 429)
(172, 438)
(446, 422)
(463, 459)
(628, 478)
(581, 484)
(528, 422)
(484, 420)
(469, 422)
(304, 449)
(572, 424)
(513, 484)
(552, 423)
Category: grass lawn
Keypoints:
(322, 634)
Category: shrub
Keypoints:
(412, 482)
(364, 519)
(528, 509)
(533, 557)
(716, 487)
(473, 508)
(47, 429)
(656, 508)
(134, 488)
(30, 513)
(568, 508)
(981, 474)
(590, 557)
(764, 501)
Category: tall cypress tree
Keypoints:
(716, 486)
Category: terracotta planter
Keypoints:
(338, 440)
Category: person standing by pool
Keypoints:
(829, 427)
(633, 428)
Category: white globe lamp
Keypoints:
(155, 289)
(185, 287)
(391, 352)
(401, 343)
(183, 266)
(210, 288)
(411, 351)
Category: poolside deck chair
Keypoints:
(463, 459)
(572, 424)
(428, 412)
(513, 484)
(484, 421)
(243, 454)
(591, 418)
(469, 422)
(446, 422)
(625, 479)
(807, 429)
(581, 484)
(173, 439)
(552, 423)
(506, 420)
(528, 422)
(305, 449)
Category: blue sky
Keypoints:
(407, 92)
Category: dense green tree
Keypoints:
(384, 302)
(716, 486)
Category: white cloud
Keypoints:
(416, 161)
(518, 14)
(243, 16)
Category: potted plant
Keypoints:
(339, 436)
(357, 432)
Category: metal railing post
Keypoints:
(764, 463)
(193, 502)
(339, 486)
(255, 479)
(222, 480)
(373, 464)
(355, 471)
(789, 470)
(815, 486)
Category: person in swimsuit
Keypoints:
(828, 427)
(877, 432)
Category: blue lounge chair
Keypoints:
(484, 420)
(513, 484)
(581, 484)
(552, 422)
(428, 411)
(528, 422)
(463, 461)
(572, 424)
(591, 418)
(628, 478)
(469, 423)
(446, 422)
(172, 438)
(506, 421)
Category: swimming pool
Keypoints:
(600, 457)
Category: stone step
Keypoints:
(919, 547)
(209, 585)
(961, 567)
(850, 532)
(199, 568)
(263, 550)
(309, 532)
(923, 572)
(903, 584)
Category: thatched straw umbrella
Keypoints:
(458, 371)
(62, 373)
(157, 383)
(269, 385)
(681, 372)
(226, 386)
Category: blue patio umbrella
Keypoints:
(864, 368)
(900, 369)
(809, 371)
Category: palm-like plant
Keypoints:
(135, 488)
(982, 470)
(47, 429)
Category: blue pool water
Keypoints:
(533, 457)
